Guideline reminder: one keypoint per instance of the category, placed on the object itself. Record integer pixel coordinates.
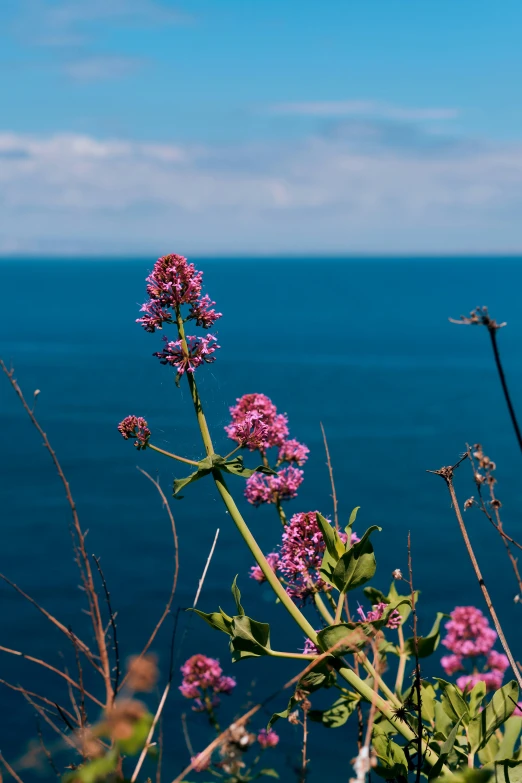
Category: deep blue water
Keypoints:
(362, 345)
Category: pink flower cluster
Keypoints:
(135, 427)
(200, 349)
(261, 488)
(470, 639)
(301, 555)
(273, 562)
(276, 424)
(293, 451)
(174, 282)
(377, 611)
(203, 679)
(267, 739)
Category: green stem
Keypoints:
(203, 426)
(364, 660)
(402, 662)
(325, 614)
(384, 708)
(261, 560)
(339, 609)
(300, 656)
(172, 456)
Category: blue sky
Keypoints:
(249, 126)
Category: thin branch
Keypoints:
(420, 757)
(332, 482)
(37, 696)
(75, 639)
(50, 722)
(82, 712)
(113, 626)
(52, 669)
(82, 559)
(175, 575)
(186, 735)
(46, 750)
(447, 474)
(147, 745)
(204, 574)
(11, 771)
(480, 316)
(495, 504)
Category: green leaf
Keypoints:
(268, 773)
(345, 637)
(237, 596)
(249, 638)
(453, 703)
(293, 702)
(180, 483)
(488, 753)
(512, 728)
(499, 709)
(334, 545)
(426, 645)
(357, 565)
(476, 697)
(375, 596)
(444, 752)
(353, 517)
(443, 724)
(508, 771)
(336, 715)
(95, 770)
(218, 620)
(428, 701)
(391, 760)
(237, 468)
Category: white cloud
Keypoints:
(88, 69)
(70, 193)
(373, 109)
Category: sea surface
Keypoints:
(362, 345)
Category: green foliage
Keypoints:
(499, 709)
(234, 466)
(391, 760)
(426, 645)
(336, 715)
(248, 638)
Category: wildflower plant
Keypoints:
(439, 727)
(360, 644)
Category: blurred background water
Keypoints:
(362, 345)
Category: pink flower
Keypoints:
(267, 739)
(394, 620)
(225, 685)
(286, 483)
(498, 661)
(135, 427)
(276, 424)
(310, 648)
(451, 664)
(203, 676)
(492, 679)
(273, 562)
(200, 349)
(203, 314)
(257, 490)
(468, 632)
(267, 489)
(518, 710)
(293, 451)
(301, 556)
(251, 430)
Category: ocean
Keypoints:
(362, 345)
